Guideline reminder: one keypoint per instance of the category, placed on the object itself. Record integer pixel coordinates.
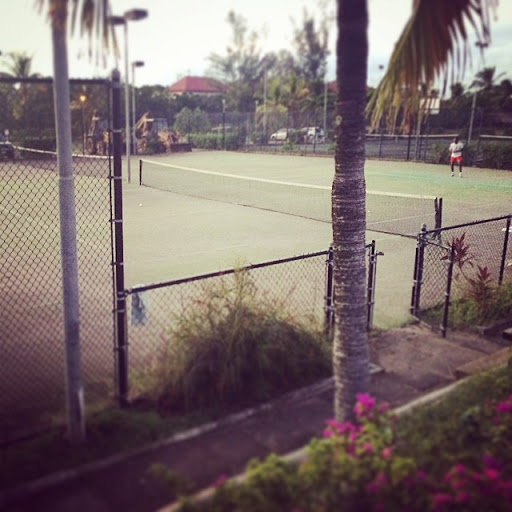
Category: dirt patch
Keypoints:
(414, 360)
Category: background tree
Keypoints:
(242, 68)
(433, 46)
(312, 50)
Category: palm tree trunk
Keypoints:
(74, 390)
(350, 351)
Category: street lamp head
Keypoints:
(116, 20)
(135, 14)
(82, 98)
(137, 63)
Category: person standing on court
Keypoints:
(455, 149)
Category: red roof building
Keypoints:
(197, 85)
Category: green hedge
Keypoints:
(490, 155)
(214, 141)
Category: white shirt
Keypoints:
(456, 149)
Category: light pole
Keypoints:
(131, 15)
(135, 64)
(83, 99)
(481, 45)
(223, 123)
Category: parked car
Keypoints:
(282, 135)
(310, 134)
(6, 148)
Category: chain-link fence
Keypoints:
(458, 263)
(312, 132)
(300, 288)
(32, 366)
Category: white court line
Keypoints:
(279, 182)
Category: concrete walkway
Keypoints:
(408, 363)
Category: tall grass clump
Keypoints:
(230, 348)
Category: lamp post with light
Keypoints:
(481, 45)
(131, 15)
(135, 64)
(223, 123)
(83, 99)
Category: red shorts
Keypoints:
(455, 158)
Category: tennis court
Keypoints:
(172, 231)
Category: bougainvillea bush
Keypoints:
(375, 464)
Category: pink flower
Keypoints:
(221, 480)
(381, 479)
(462, 497)
(491, 474)
(421, 476)
(386, 452)
(504, 407)
(383, 407)
(440, 499)
(490, 462)
(367, 448)
(459, 469)
(365, 404)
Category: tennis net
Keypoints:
(392, 213)
(43, 160)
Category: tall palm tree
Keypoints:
(18, 64)
(486, 79)
(92, 14)
(433, 46)
(433, 43)
(350, 353)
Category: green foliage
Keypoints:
(483, 304)
(191, 121)
(489, 155)
(214, 141)
(496, 155)
(454, 454)
(481, 301)
(229, 349)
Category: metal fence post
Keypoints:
(447, 294)
(504, 252)
(120, 310)
(418, 271)
(372, 275)
(329, 294)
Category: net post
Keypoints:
(418, 271)
(140, 173)
(438, 204)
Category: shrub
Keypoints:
(229, 349)
(445, 458)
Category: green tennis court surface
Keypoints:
(172, 230)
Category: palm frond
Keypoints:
(433, 45)
(90, 17)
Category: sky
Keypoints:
(176, 38)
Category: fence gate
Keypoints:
(32, 366)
